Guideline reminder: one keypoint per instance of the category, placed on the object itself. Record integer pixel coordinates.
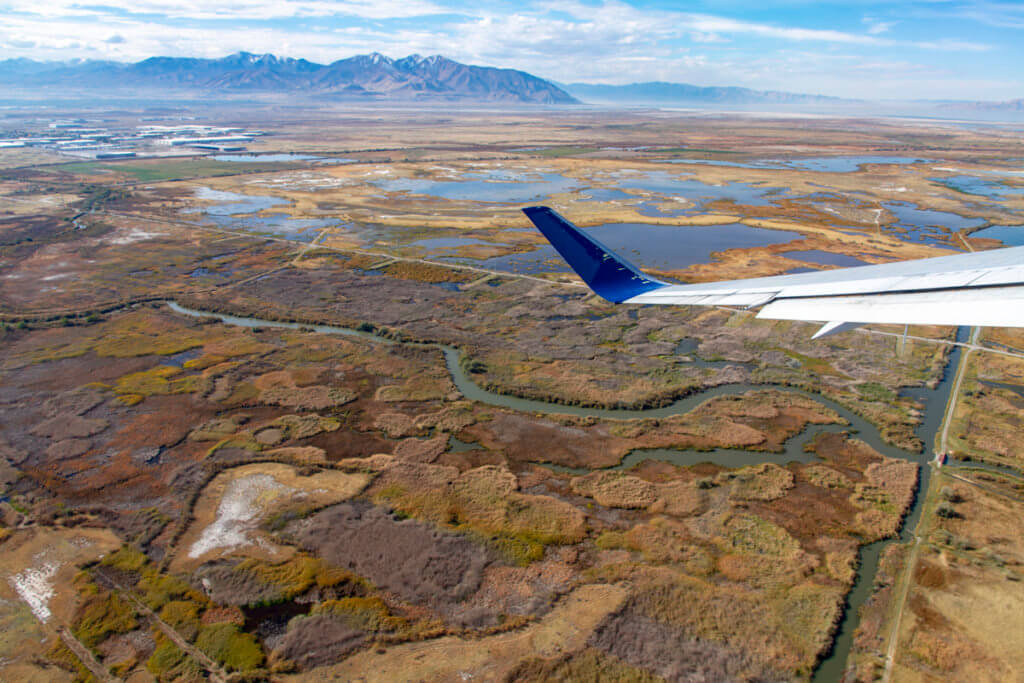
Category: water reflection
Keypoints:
(233, 209)
(1010, 235)
(663, 247)
(841, 164)
(927, 225)
(494, 185)
(824, 258)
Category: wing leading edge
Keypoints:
(976, 289)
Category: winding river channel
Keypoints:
(934, 400)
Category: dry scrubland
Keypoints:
(988, 421)
(186, 499)
(964, 604)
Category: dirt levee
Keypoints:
(416, 561)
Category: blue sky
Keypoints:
(937, 49)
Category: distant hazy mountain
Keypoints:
(1010, 105)
(658, 92)
(371, 76)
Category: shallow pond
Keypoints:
(927, 225)
(824, 258)
(838, 164)
(233, 203)
(435, 243)
(663, 247)
(984, 187)
(500, 186)
(1010, 235)
(672, 186)
(231, 214)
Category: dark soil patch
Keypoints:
(671, 653)
(412, 559)
(318, 640)
(68, 448)
(348, 443)
(271, 621)
(528, 439)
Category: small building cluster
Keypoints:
(84, 139)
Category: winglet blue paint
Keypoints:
(605, 272)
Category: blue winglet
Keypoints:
(608, 274)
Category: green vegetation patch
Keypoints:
(133, 387)
(369, 614)
(873, 391)
(158, 589)
(484, 503)
(168, 663)
(182, 616)
(150, 171)
(101, 615)
(127, 558)
(62, 656)
(756, 536)
(234, 649)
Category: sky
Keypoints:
(870, 49)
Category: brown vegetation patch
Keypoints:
(482, 500)
(761, 482)
(825, 477)
(70, 427)
(670, 652)
(421, 450)
(615, 489)
(396, 425)
(562, 631)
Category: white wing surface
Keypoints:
(976, 289)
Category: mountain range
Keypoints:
(372, 76)
(375, 77)
(660, 92)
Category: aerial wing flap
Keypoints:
(987, 307)
(1000, 276)
(666, 295)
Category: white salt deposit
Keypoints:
(34, 585)
(135, 236)
(218, 195)
(237, 513)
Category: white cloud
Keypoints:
(876, 27)
(243, 10)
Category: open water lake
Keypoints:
(662, 247)
(837, 164)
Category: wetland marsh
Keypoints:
(410, 382)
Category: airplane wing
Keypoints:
(974, 289)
